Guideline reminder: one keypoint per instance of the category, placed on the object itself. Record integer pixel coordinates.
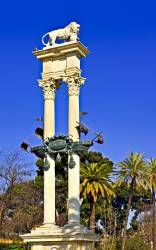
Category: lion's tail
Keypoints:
(44, 37)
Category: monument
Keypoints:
(61, 62)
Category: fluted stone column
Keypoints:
(49, 131)
(74, 84)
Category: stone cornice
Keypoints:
(62, 50)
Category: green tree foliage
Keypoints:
(136, 243)
(21, 200)
(141, 199)
(40, 166)
(133, 172)
(95, 181)
(24, 210)
(152, 179)
(13, 171)
(13, 247)
(96, 157)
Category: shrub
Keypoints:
(13, 247)
(135, 243)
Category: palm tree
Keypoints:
(152, 179)
(95, 181)
(133, 172)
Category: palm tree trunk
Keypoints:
(154, 220)
(92, 215)
(126, 221)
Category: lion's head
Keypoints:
(74, 27)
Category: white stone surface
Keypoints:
(60, 240)
(74, 173)
(49, 131)
(69, 33)
(61, 62)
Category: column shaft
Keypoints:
(49, 175)
(74, 173)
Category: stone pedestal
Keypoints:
(74, 237)
(62, 242)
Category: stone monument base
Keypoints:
(70, 237)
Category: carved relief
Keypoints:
(49, 88)
(74, 84)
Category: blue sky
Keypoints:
(120, 90)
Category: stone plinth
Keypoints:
(66, 238)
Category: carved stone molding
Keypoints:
(74, 84)
(49, 88)
(72, 71)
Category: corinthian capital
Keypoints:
(74, 84)
(49, 88)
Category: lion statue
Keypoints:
(69, 33)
